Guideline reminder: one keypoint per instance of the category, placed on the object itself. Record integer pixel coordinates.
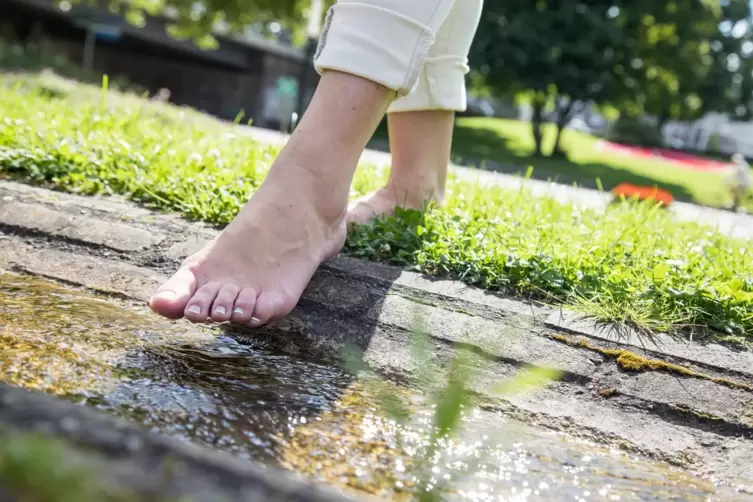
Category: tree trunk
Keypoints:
(537, 118)
(557, 148)
(564, 116)
(661, 121)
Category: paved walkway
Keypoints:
(734, 224)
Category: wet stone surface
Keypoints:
(200, 386)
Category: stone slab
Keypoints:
(88, 271)
(117, 236)
(732, 463)
(654, 437)
(499, 339)
(189, 245)
(351, 302)
(701, 396)
(112, 205)
(447, 289)
(713, 355)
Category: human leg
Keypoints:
(421, 124)
(257, 268)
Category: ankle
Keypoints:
(327, 199)
(416, 191)
(410, 197)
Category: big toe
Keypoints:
(171, 298)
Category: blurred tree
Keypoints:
(729, 85)
(200, 19)
(691, 65)
(567, 54)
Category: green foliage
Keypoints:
(201, 20)
(509, 145)
(517, 244)
(729, 85)
(499, 239)
(562, 52)
(670, 59)
(41, 56)
(714, 144)
(689, 62)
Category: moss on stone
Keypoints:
(630, 361)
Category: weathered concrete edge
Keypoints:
(113, 235)
(155, 463)
(334, 312)
(356, 286)
(317, 330)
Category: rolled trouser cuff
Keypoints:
(375, 43)
(441, 86)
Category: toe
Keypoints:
(244, 306)
(270, 306)
(222, 308)
(171, 298)
(197, 309)
(354, 213)
(360, 212)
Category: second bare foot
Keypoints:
(382, 203)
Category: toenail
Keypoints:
(238, 311)
(255, 323)
(220, 310)
(166, 295)
(194, 309)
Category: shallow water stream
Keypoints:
(198, 385)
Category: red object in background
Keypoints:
(680, 158)
(630, 191)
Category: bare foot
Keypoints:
(256, 270)
(383, 202)
(420, 146)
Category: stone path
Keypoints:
(695, 409)
(735, 224)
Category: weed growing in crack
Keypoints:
(448, 390)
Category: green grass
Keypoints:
(631, 263)
(510, 143)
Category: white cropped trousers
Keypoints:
(418, 48)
